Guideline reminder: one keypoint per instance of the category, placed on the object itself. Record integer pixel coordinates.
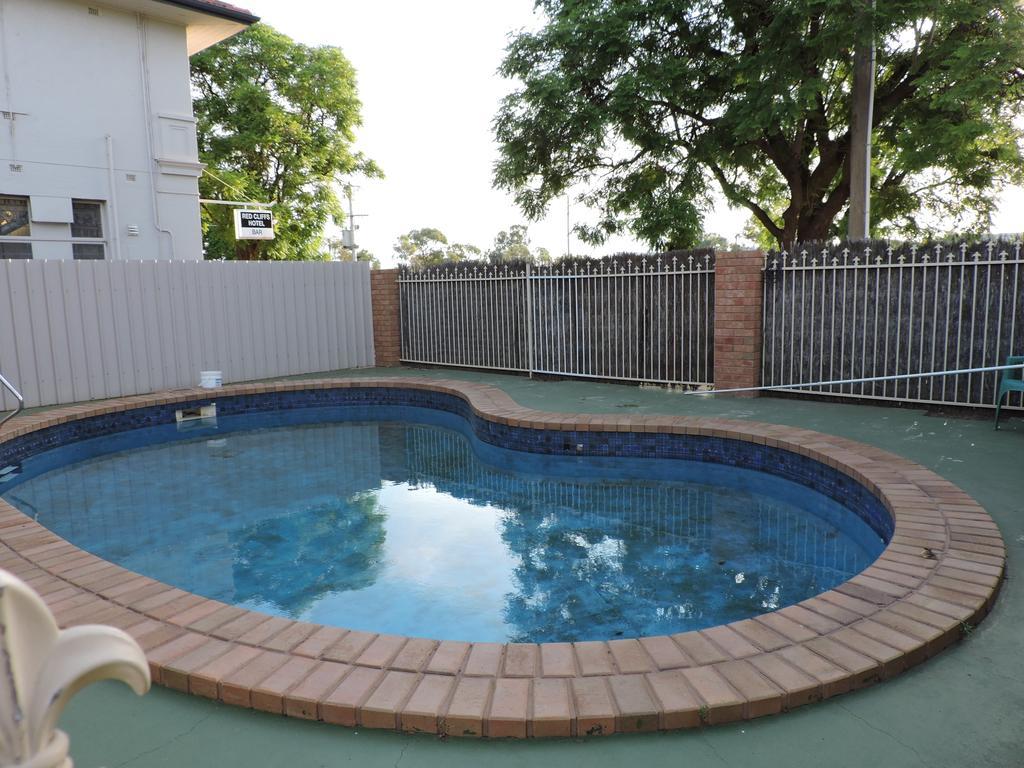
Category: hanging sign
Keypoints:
(253, 225)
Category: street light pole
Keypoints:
(863, 99)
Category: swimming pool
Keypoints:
(398, 519)
(937, 576)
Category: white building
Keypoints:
(98, 155)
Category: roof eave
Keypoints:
(231, 14)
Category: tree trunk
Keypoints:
(817, 215)
(247, 250)
(815, 230)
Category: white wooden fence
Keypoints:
(83, 330)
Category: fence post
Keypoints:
(386, 320)
(739, 301)
(529, 320)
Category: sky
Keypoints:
(427, 78)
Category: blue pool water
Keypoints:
(397, 519)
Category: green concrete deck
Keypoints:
(963, 708)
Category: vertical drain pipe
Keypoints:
(148, 109)
(6, 63)
(115, 223)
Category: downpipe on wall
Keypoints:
(148, 107)
(112, 181)
(5, 62)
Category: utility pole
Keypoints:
(351, 220)
(348, 236)
(863, 100)
(568, 229)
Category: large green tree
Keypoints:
(429, 247)
(653, 104)
(336, 250)
(513, 244)
(275, 124)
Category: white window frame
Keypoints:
(91, 240)
(21, 238)
(105, 242)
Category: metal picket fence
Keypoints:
(848, 312)
(470, 317)
(644, 319)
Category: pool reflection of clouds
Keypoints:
(442, 540)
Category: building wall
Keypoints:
(72, 79)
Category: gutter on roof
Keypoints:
(242, 17)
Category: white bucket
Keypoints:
(210, 379)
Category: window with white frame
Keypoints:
(87, 229)
(61, 223)
(14, 223)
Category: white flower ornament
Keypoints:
(42, 667)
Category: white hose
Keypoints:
(894, 377)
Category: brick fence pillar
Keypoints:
(387, 345)
(739, 298)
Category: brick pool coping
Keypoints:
(938, 576)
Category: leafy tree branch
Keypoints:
(654, 105)
(275, 122)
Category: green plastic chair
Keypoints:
(1012, 381)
